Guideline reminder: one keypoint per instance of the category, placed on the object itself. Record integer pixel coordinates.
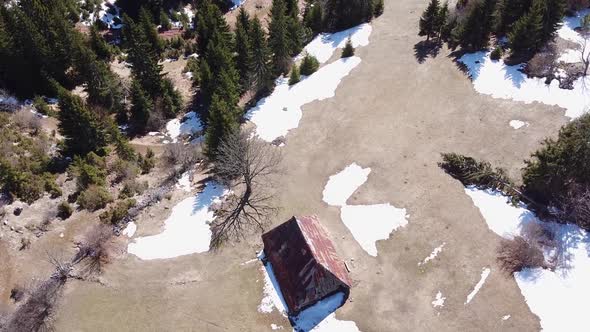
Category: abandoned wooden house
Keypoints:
(305, 263)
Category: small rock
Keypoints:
(18, 211)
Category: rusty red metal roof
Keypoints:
(305, 262)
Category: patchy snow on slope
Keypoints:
(439, 300)
(433, 254)
(325, 44)
(280, 112)
(558, 297)
(498, 80)
(484, 275)
(129, 231)
(190, 125)
(342, 185)
(371, 223)
(517, 124)
(237, 3)
(108, 13)
(186, 231)
(184, 182)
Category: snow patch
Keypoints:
(484, 275)
(184, 182)
(280, 112)
(129, 231)
(433, 254)
(371, 223)
(237, 3)
(276, 327)
(324, 45)
(557, 297)
(272, 297)
(439, 300)
(190, 125)
(342, 185)
(367, 223)
(517, 124)
(498, 80)
(507, 317)
(186, 231)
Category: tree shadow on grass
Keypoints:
(426, 48)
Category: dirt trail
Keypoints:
(396, 116)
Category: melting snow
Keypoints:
(129, 231)
(432, 255)
(237, 3)
(558, 297)
(273, 298)
(184, 182)
(324, 45)
(371, 223)
(568, 32)
(276, 327)
(507, 317)
(517, 124)
(439, 301)
(186, 231)
(190, 125)
(280, 112)
(367, 223)
(494, 78)
(484, 275)
(342, 185)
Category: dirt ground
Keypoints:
(391, 114)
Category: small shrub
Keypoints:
(132, 188)
(17, 294)
(42, 107)
(95, 249)
(309, 65)
(496, 53)
(94, 198)
(146, 163)
(124, 170)
(89, 171)
(64, 210)
(348, 49)
(295, 76)
(51, 186)
(517, 254)
(117, 212)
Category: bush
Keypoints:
(89, 171)
(147, 163)
(64, 210)
(472, 172)
(132, 188)
(496, 53)
(124, 170)
(517, 254)
(309, 65)
(178, 156)
(94, 198)
(117, 212)
(295, 76)
(51, 186)
(42, 107)
(348, 49)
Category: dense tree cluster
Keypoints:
(528, 24)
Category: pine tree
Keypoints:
(441, 19)
(165, 21)
(146, 24)
(79, 126)
(295, 75)
(260, 66)
(312, 17)
(210, 21)
(378, 8)
(428, 20)
(141, 107)
(99, 45)
(295, 34)
(348, 49)
(243, 19)
(243, 51)
(343, 14)
(474, 32)
(524, 39)
(279, 38)
(222, 121)
(554, 11)
(507, 12)
(309, 65)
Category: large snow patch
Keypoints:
(280, 112)
(558, 297)
(187, 229)
(324, 45)
(342, 185)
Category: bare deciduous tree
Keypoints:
(244, 165)
(518, 253)
(585, 43)
(94, 250)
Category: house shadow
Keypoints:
(311, 317)
(426, 48)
